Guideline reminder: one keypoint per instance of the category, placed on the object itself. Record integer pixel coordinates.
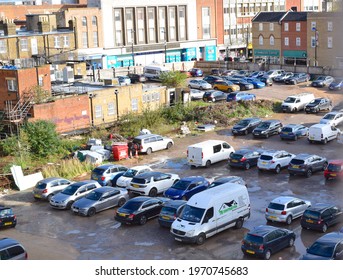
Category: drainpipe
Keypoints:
(116, 92)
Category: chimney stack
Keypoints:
(9, 27)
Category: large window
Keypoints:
(12, 85)
(84, 40)
(271, 40)
(330, 26)
(172, 23)
(298, 26)
(140, 24)
(298, 41)
(286, 41)
(330, 42)
(182, 23)
(118, 29)
(151, 25)
(110, 109)
(24, 45)
(98, 111)
(206, 23)
(95, 39)
(260, 40)
(84, 21)
(56, 42)
(162, 23)
(129, 17)
(3, 46)
(94, 21)
(286, 26)
(66, 41)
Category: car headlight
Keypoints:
(190, 233)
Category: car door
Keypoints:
(163, 182)
(110, 199)
(298, 207)
(317, 163)
(160, 144)
(336, 215)
(285, 158)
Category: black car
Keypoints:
(318, 104)
(307, 164)
(7, 217)
(326, 247)
(214, 96)
(321, 216)
(243, 84)
(244, 158)
(170, 211)
(263, 241)
(336, 85)
(139, 209)
(245, 126)
(137, 78)
(322, 81)
(267, 128)
(212, 79)
(297, 78)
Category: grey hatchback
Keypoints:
(45, 189)
(11, 249)
(170, 211)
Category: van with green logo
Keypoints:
(212, 211)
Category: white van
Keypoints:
(212, 211)
(322, 133)
(207, 152)
(295, 103)
(153, 72)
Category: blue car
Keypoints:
(241, 96)
(104, 174)
(336, 85)
(256, 82)
(293, 131)
(187, 187)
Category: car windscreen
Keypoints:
(311, 214)
(290, 100)
(264, 125)
(192, 214)
(94, 196)
(41, 185)
(98, 171)
(334, 167)
(6, 212)
(297, 161)
(243, 122)
(322, 249)
(287, 129)
(255, 239)
(232, 95)
(181, 185)
(276, 206)
(266, 157)
(168, 211)
(71, 189)
(236, 156)
(315, 101)
(130, 173)
(329, 117)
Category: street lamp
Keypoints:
(165, 51)
(132, 41)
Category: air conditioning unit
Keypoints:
(68, 74)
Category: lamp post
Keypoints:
(165, 51)
(316, 37)
(132, 51)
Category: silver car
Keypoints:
(45, 189)
(199, 84)
(100, 199)
(73, 192)
(286, 208)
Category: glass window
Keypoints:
(110, 109)
(217, 148)
(330, 27)
(84, 40)
(330, 42)
(298, 26)
(286, 26)
(162, 23)
(260, 26)
(84, 21)
(129, 17)
(206, 23)
(24, 45)
(298, 41)
(66, 41)
(313, 25)
(313, 41)
(172, 23)
(12, 85)
(134, 104)
(271, 26)
(140, 24)
(260, 40)
(3, 46)
(56, 41)
(286, 41)
(118, 27)
(151, 25)
(98, 111)
(95, 39)
(94, 21)
(182, 23)
(271, 40)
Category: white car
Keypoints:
(125, 180)
(334, 118)
(274, 160)
(152, 183)
(149, 143)
(199, 84)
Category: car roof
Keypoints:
(271, 121)
(149, 174)
(143, 136)
(175, 203)
(252, 119)
(336, 161)
(6, 241)
(104, 189)
(192, 178)
(271, 152)
(105, 166)
(332, 238)
(84, 182)
(50, 179)
(303, 156)
(141, 198)
(227, 179)
(320, 207)
(292, 125)
(243, 151)
(283, 199)
(262, 230)
(139, 167)
(4, 207)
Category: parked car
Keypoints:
(152, 183)
(196, 94)
(45, 189)
(137, 78)
(274, 73)
(267, 80)
(100, 199)
(285, 209)
(149, 143)
(212, 79)
(170, 211)
(283, 77)
(139, 210)
(115, 178)
(7, 218)
(229, 72)
(186, 187)
(245, 126)
(75, 191)
(244, 158)
(334, 169)
(257, 74)
(321, 216)
(274, 160)
(214, 96)
(11, 249)
(307, 164)
(333, 118)
(297, 78)
(226, 86)
(124, 80)
(326, 247)
(257, 83)
(322, 133)
(199, 84)
(243, 84)
(264, 240)
(293, 131)
(196, 72)
(125, 180)
(322, 81)
(318, 104)
(228, 179)
(267, 128)
(104, 174)
(241, 96)
(337, 84)
(296, 102)
(216, 71)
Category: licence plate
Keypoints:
(8, 223)
(264, 162)
(311, 138)
(121, 214)
(38, 195)
(333, 175)
(309, 221)
(250, 252)
(286, 133)
(135, 186)
(295, 166)
(178, 239)
(234, 160)
(190, 160)
(272, 217)
(166, 217)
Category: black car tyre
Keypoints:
(289, 220)
(50, 196)
(324, 228)
(239, 223)
(277, 169)
(200, 88)
(208, 163)
(91, 212)
(200, 239)
(121, 202)
(69, 204)
(246, 132)
(213, 99)
(325, 141)
(295, 138)
(267, 135)
(291, 242)
(309, 173)
(247, 166)
(169, 145)
(267, 254)
(325, 165)
(142, 220)
(153, 192)
(148, 151)
(184, 198)
(215, 88)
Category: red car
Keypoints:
(334, 169)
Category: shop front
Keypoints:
(294, 57)
(268, 56)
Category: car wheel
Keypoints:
(325, 165)
(169, 145)
(91, 212)
(215, 88)
(239, 223)
(213, 99)
(184, 198)
(200, 88)
(267, 254)
(142, 220)
(295, 138)
(229, 90)
(69, 204)
(324, 228)
(277, 169)
(325, 141)
(309, 173)
(208, 163)
(109, 184)
(291, 242)
(50, 196)
(121, 202)
(148, 151)
(289, 220)
(267, 135)
(247, 166)
(200, 239)
(246, 132)
(153, 192)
